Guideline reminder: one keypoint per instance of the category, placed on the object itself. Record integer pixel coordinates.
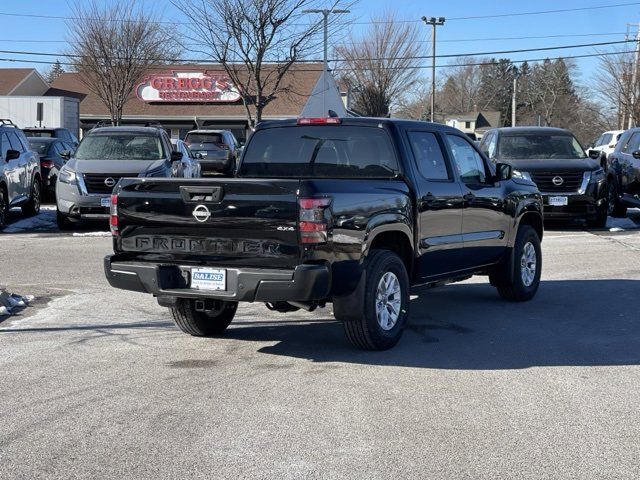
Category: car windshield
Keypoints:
(121, 146)
(39, 133)
(320, 151)
(40, 148)
(539, 146)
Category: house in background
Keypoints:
(474, 123)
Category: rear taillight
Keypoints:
(312, 221)
(46, 163)
(113, 214)
(319, 121)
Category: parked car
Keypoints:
(623, 174)
(50, 151)
(105, 155)
(606, 144)
(63, 134)
(357, 211)
(217, 150)
(189, 166)
(19, 173)
(572, 184)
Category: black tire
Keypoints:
(515, 289)
(202, 324)
(600, 220)
(614, 208)
(358, 313)
(63, 221)
(32, 207)
(3, 209)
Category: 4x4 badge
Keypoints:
(201, 213)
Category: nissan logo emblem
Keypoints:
(201, 213)
(109, 182)
(557, 181)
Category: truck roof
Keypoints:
(538, 130)
(367, 121)
(123, 129)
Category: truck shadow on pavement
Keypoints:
(468, 327)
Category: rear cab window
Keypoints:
(428, 154)
(328, 151)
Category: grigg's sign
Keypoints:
(196, 87)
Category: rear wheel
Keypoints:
(203, 324)
(375, 315)
(32, 207)
(520, 280)
(614, 208)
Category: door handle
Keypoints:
(468, 196)
(428, 198)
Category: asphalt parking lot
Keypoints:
(98, 383)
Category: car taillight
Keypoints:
(319, 121)
(312, 222)
(46, 163)
(113, 214)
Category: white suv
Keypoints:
(607, 142)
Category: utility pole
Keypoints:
(435, 22)
(325, 13)
(514, 104)
(634, 81)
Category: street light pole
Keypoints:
(435, 22)
(325, 13)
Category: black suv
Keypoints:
(572, 184)
(357, 211)
(623, 174)
(19, 173)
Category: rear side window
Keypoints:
(15, 142)
(428, 155)
(320, 151)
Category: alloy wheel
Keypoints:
(528, 264)
(388, 301)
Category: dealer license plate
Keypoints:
(208, 279)
(558, 201)
(105, 202)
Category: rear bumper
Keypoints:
(304, 283)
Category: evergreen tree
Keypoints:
(54, 72)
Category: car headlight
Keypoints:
(522, 175)
(66, 175)
(597, 175)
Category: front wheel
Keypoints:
(600, 220)
(614, 208)
(522, 281)
(203, 323)
(375, 315)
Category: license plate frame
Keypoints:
(558, 201)
(105, 202)
(209, 279)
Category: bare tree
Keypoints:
(114, 45)
(614, 86)
(381, 64)
(461, 91)
(257, 42)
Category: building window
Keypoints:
(467, 124)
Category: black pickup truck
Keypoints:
(359, 212)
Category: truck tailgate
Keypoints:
(227, 222)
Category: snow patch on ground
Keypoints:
(45, 221)
(92, 234)
(621, 224)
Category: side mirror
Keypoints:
(504, 171)
(66, 154)
(176, 156)
(636, 154)
(12, 155)
(595, 154)
(199, 156)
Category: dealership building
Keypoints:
(187, 97)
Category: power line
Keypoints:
(419, 57)
(474, 64)
(545, 12)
